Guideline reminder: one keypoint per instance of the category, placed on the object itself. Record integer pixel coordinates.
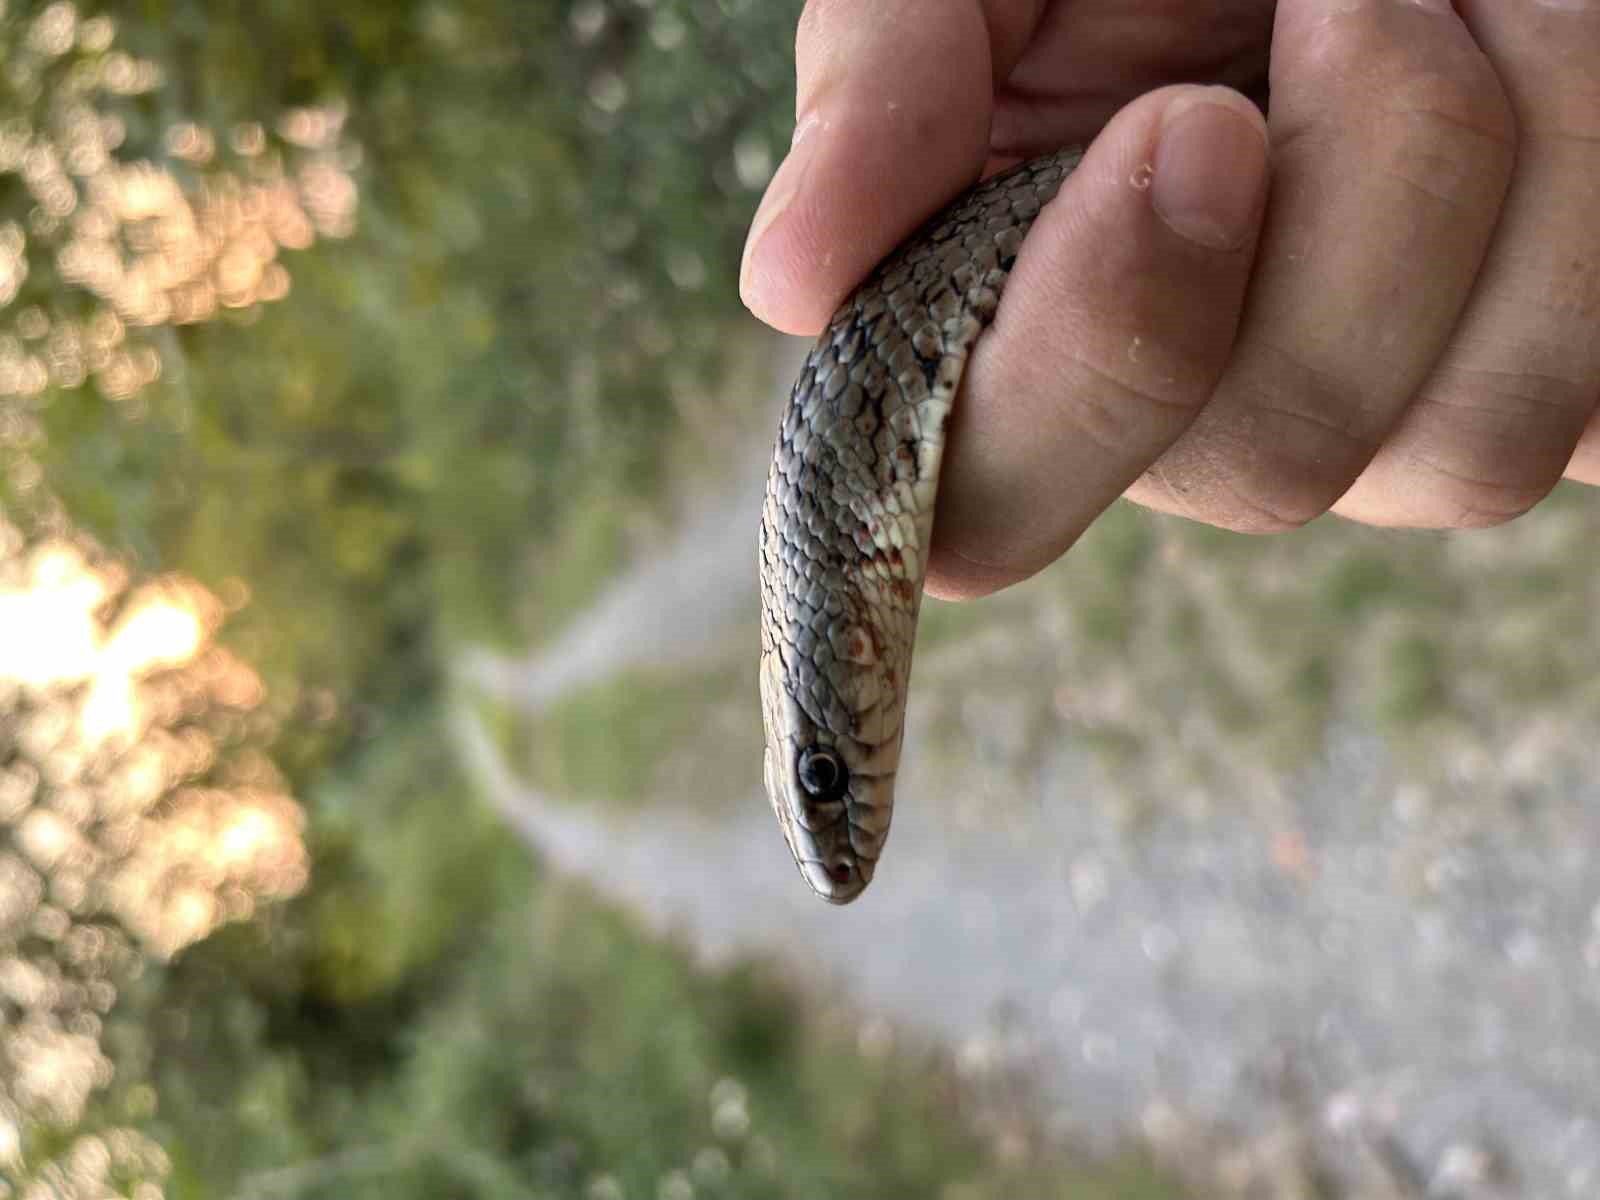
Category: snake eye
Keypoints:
(822, 773)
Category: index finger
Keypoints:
(893, 105)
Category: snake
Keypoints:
(847, 520)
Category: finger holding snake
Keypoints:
(1118, 357)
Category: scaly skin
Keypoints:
(848, 518)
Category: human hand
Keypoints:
(1406, 331)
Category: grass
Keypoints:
(621, 512)
(554, 1046)
(628, 1071)
(1183, 659)
(637, 735)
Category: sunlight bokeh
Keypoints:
(129, 825)
(143, 243)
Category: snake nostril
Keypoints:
(839, 873)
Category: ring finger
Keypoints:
(1496, 425)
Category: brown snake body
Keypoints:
(848, 516)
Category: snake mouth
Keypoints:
(835, 821)
(837, 883)
(838, 857)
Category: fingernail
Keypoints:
(753, 278)
(1210, 168)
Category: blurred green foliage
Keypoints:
(487, 369)
(450, 431)
(439, 436)
(631, 736)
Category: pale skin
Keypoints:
(1381, 301)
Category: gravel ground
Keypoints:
(1359, 978)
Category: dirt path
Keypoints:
(1370, 982)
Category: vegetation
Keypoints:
(385, 408)
(453, 310)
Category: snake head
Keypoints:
(833, 794)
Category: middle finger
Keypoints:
(1393, 144)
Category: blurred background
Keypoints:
(380, 814)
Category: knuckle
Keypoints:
(1302, 467)
(1279, 448)
(1315, 455)
(1451, 497)
(1209, 494)
(1446, 144)
(1237, 483)
(1273, 500)
(1309, 448)
(1469, 116)
(1526, 405)
(1496, 448)
(1342, 46)
(1123, 408)
(1444, 84)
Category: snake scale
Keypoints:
(848, 516)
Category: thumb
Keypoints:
(893, 105)
(1112, 332)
